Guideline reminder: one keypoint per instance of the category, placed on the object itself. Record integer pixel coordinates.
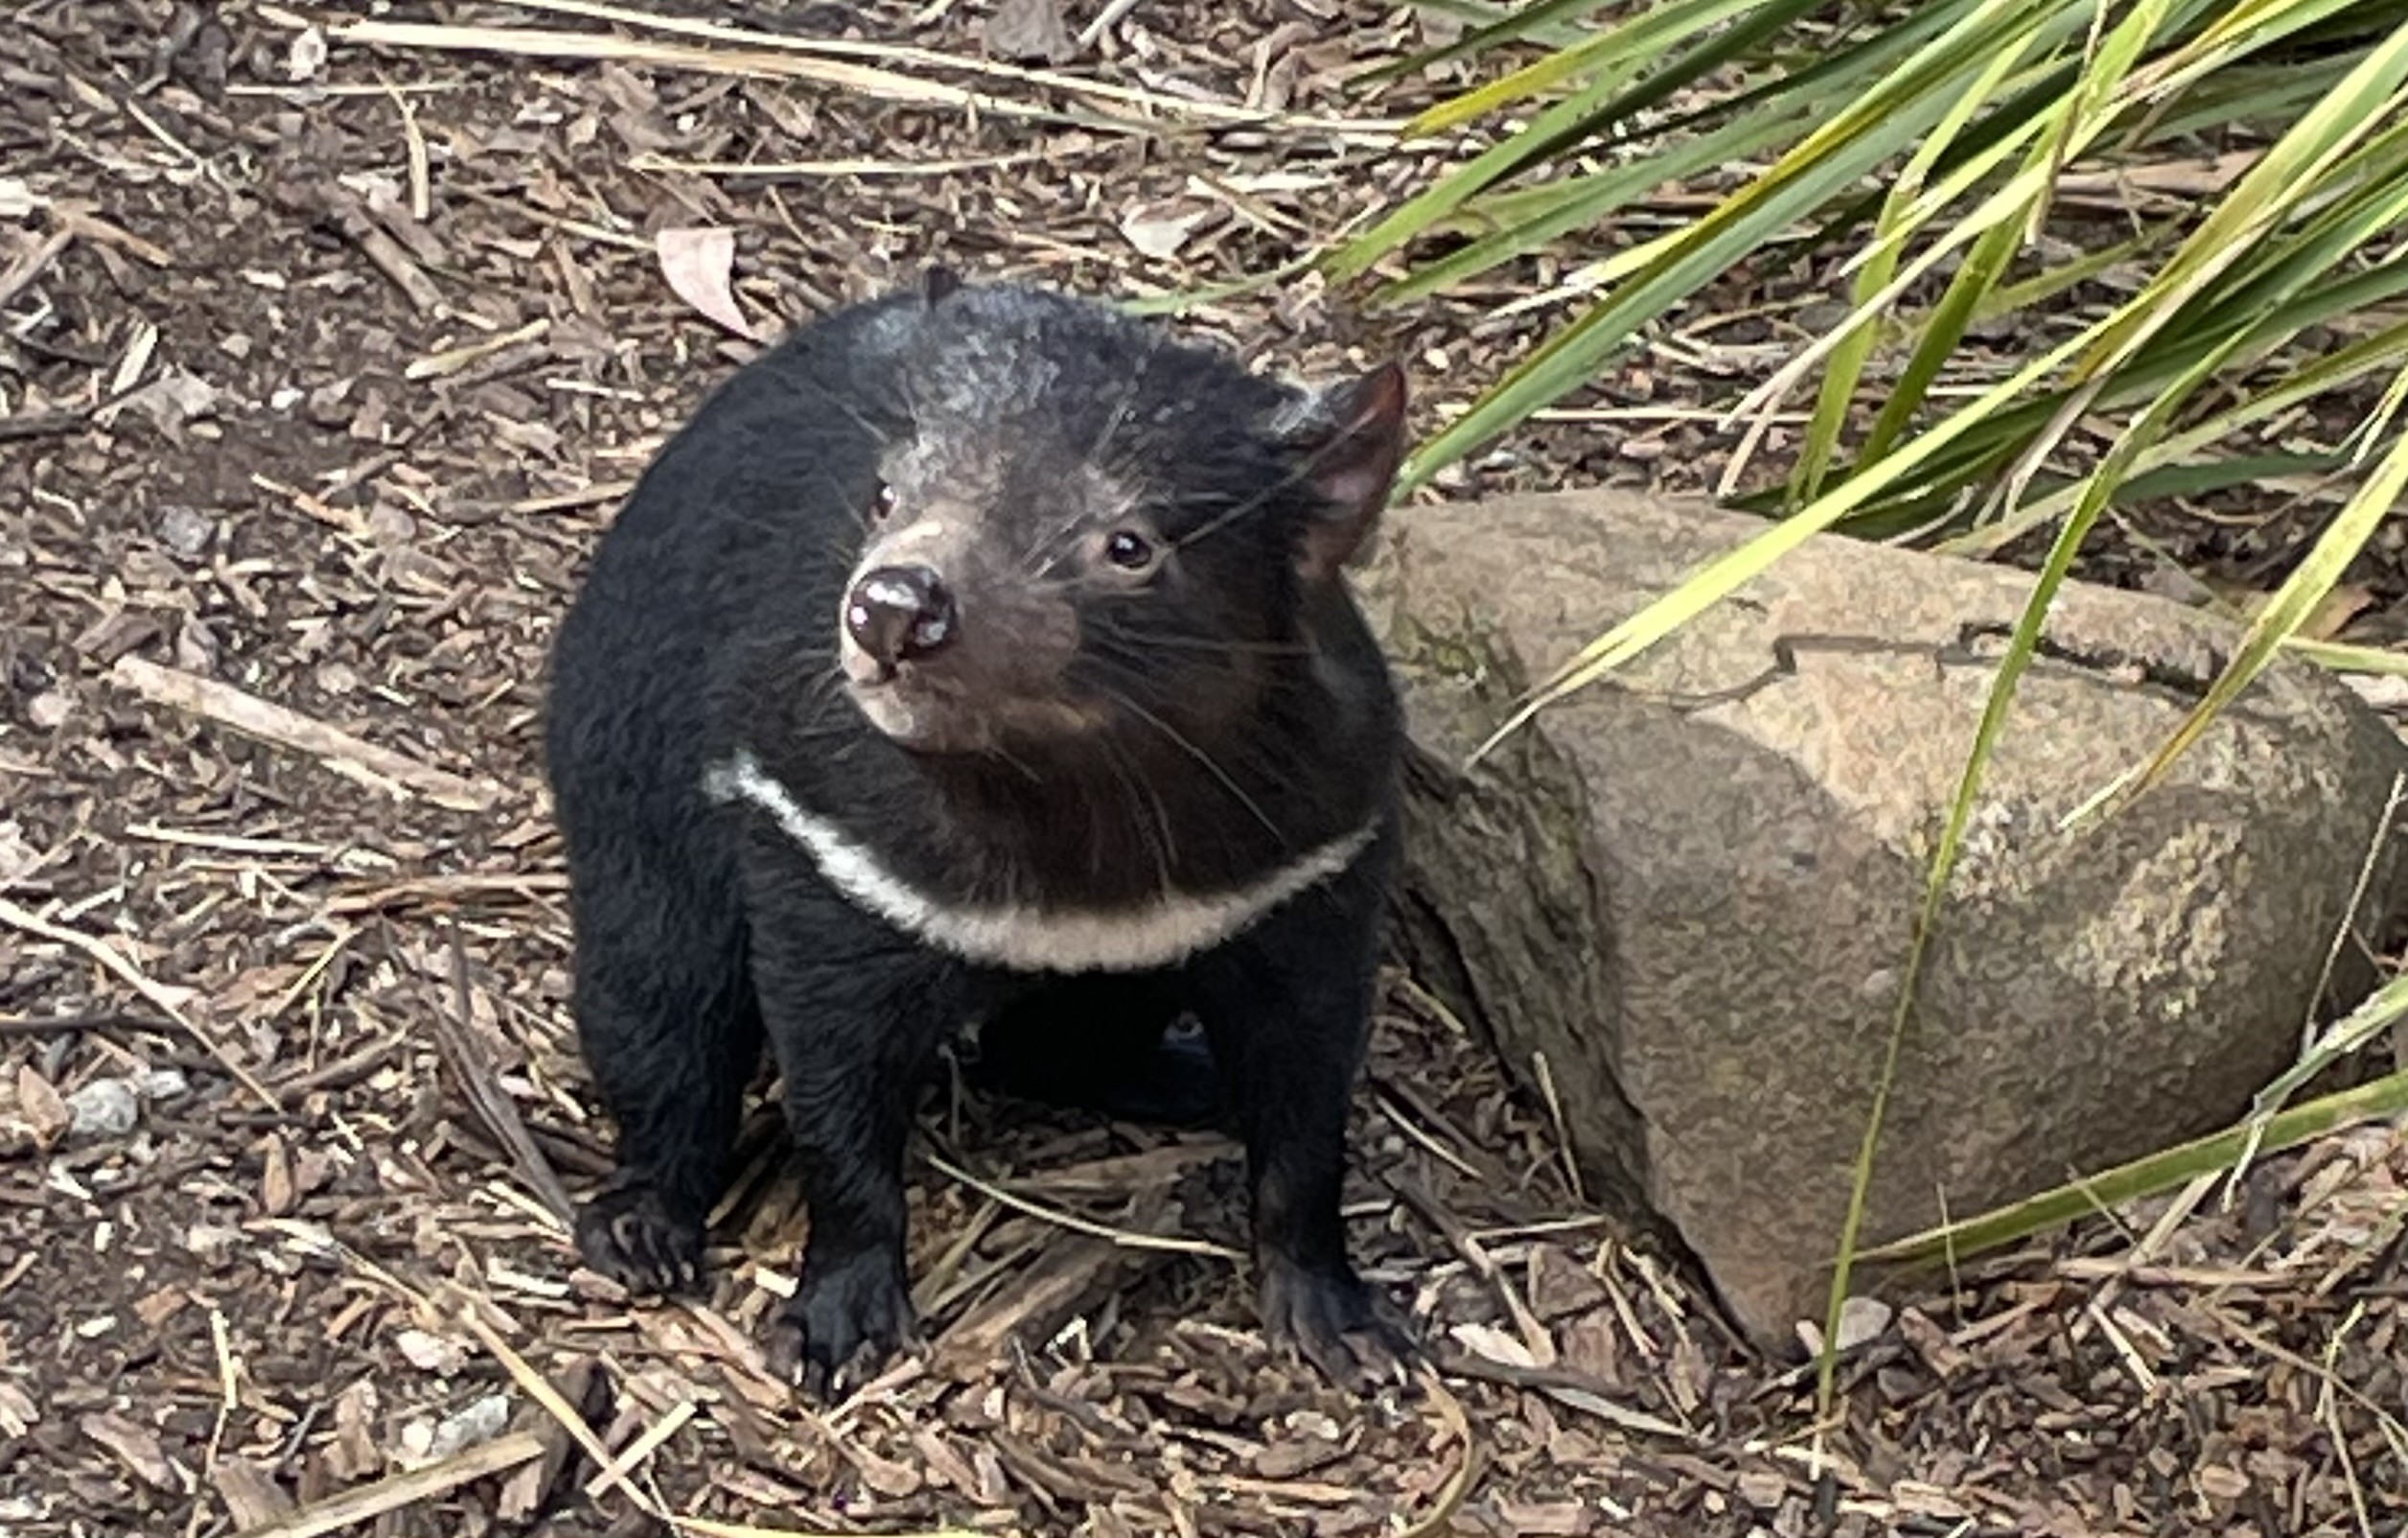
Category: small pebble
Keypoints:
(185, 530)
(105, 1107)
(480, 1422)
(430, 1353)
(212, 1243)
(163, 1084)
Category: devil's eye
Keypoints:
(1129, 551)
(881, 502)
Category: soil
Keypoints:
(323, 363)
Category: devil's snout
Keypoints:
(898, 613)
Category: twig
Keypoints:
(433, 889)
(29, 425)
(69, 1024)
(1109, 18)
(158, 995)
(1360, 130)
(1440, 1517)
(1085, 1226)
(1036, 1303)
(1565, 1386)
(229, 1399)
(2343, 930)
(1563, 1129)
(641, 1448)
(1533, 1334)
(21, 274)
(351, 219)
(464, 1053)
(535, 43)
(585, 1388)
(396, 1491)
(345, 1070)
(562, 502)
(569, 1416)
(353, 757)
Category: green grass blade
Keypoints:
(2175, 1167)
(1852, 144)
(2073, 123)
(1534, 78)
(2021, 647)
(1689, 65)
(2269, 190)
(1986, 446)
(1633, 45)
(1534, 218)
(1695, 257)
(2032, 293)
(2343, 658)
(1425, 208)
(2374, 1015)
(1846, 367)
(1719, 576)
(2284, 613)
(1537, 20)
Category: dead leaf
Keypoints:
(1157, 231)
(136, 1447)
(2330, 617)
(252, 1496)
(156, 1307)
(43, 1107)
(306, 55)
(1558, 1287)
(354, 1453)
(17, 1410)
(1489, 1342)
(16, 856)
(700, 265)
(275, 1184)
(169, 401)
(944, 1462)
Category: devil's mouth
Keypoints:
(917, 711)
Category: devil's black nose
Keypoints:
(899, 612)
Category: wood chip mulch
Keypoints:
(322, 361)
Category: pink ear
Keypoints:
(1351, 450)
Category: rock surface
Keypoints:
(1680, 900)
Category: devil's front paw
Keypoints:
(1336, 1322)
(630, 1235)
(842, 1324)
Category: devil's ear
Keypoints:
(937, 281)
(1348, 439)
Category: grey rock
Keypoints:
(163, 1084)
(185, 530)
(477, 1423)
(105, 1107)
(1683, 895)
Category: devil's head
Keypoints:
(1088, 530)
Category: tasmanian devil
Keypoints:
(982, 653)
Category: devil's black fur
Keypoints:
(1191, 728)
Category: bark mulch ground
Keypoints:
(322, 361)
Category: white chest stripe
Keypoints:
(1157, 933)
